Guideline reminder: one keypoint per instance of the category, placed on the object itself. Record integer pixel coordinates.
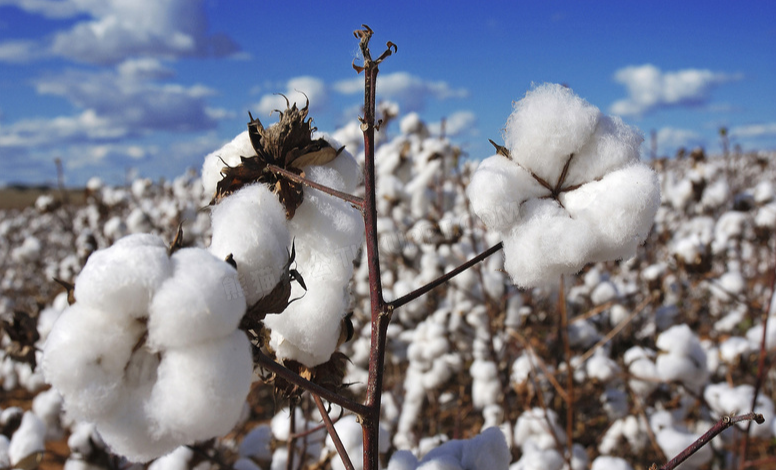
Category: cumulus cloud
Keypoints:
(116, 29)
(457, 124)
(410, 91)
(754, 130)
(674, 138)
(113, 105)
(650, 89)
(295, 90)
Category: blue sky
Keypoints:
(149, 86)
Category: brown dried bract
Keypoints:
(288, 144)
(328, 375)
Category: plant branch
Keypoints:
(446, 277)
(355, 200)
(267, 363)
(720, 426)
(761, 368)
(380, 312)
(333, 433)
(564, 334)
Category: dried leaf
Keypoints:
(501, 150)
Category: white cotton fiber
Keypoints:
(122, 279)
(682, 357)
(28, 439)
(228, 155)
(607, 462)
(251, 225)
(497, 189)
(547, 126)
(85, 356)
(194, 304)
(163, 369)
(257, 443)
(602, 210)
(221, 369)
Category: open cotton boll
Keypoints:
(251, 225)
(726, 401)
(176, 460)
(497, 189)
(548, 125)
(122, 279)
(194, 304)
(200, 389)
(257, 443)
(228, 155)
(28, 439)
(607, 462)
(672, 441)
(682, 357)
(85, 356)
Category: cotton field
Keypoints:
(480, 373)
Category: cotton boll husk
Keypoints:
(85, 357)
(620, 210)
(221, 369)
(228, 155)
(614, 145)
(607, 462)
(194, 305)
(497, 189)
(546, 244)
(251, 225)
(28, 439)
(547, 126)
(122, 279)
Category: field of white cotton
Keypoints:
(479, 373)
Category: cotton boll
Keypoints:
(620, 210)
(115, 228)
(486, 388)
(726, 400)
(176, 460)
(402, 460)
(28, 439)
(85, 357)
(539, 459)
(716, 194)
(606, 462)
(47, 406)
(28, 252)
(545, 245)
(228, 155)
(755, 335)
(764, 192)
(601, 367)
(733, 348)
(123, 278)
(195, 304)
(766, 216)
(257, 443)
(5, 460)
(533, 427)
(497, 189)
(222, 371)
(251, 225)
(684, 359)
(613, 145)
(547, 126)
(603, 293)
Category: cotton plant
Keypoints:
(567, 189)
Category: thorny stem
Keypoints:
(445, 277)
(333, 433)
(720, 426)
(355, 200)
(267, 363)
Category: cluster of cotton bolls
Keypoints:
(326, 234)
(662, 344)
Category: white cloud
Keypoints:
(296, 90)
(670, 138)
(118, 29)
(410, 91)
(650, 89)
(457, 124)
(146, 67)
(754, 130)
(20, 51)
